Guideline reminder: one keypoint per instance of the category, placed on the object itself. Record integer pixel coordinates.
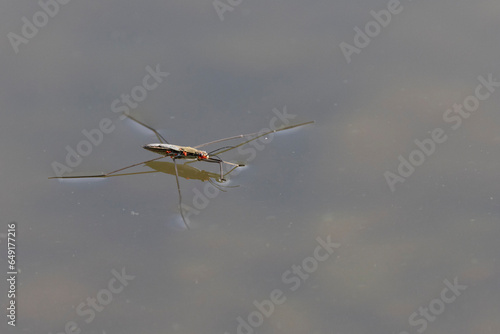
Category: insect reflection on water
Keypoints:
(191, 154)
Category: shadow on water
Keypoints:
(184, 170)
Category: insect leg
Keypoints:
(180, 195)
(158, 135)
(220, 162)
(107, 174)
(220, 149)
(221, 172)
(258, 134)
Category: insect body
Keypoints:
(187, 153)
(178, 152)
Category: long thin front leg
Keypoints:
(258, 134)
(107, 174)
(220, 162)
(180, 195)
(221, 172)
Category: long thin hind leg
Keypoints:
(107, 174)
(158, 135)
(180, 195)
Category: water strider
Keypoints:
(176, 152)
